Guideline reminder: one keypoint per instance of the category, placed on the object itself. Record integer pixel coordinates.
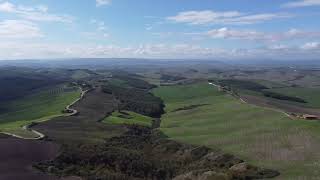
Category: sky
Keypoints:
(166, 29)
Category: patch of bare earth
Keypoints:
(17, 157)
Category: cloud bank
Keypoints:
(303, 3)
(227, 17)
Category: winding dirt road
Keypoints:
(40, 135)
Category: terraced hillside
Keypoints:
(200, 114)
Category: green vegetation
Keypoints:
(19, 86)
(142, 153)
(17, 82)
(166, 77)
(136, 100)
(118, 82)
(310, 95)
(38, 107)
(283, 97)
(80, 74)
(264, 137)
(242, 84)
(128, 117)
(132, 80)
(259, 89)
(270, 84)
(152, 77)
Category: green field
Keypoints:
(271, 84)
(118, 83)
(261, 136)
(310, 95)
(38, 107)
(128, 117)
(80, 74)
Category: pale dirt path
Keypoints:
(40, 135)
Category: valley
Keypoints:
(188, 125)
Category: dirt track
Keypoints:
(85, 125)
(285, 107)
(276, 106)
(40, 135)
(17, 155)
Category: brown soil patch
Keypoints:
(17, 157)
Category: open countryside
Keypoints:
(159, 90)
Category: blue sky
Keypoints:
(206, 29)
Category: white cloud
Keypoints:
(100, 25)
(38, 13)
(279, 47)
(227, 17)
(101, 30)
(257, 37)
(15, 50)
(148, 27)
(291, 34)
(311, 46)
(7, 7)
(42, 8)
(41, 50)
(302, 3)
(17, 29)
(102, 2)
(203, 17)
(226, 33)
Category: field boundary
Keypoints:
(245, 102)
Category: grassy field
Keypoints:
(311, 95)
(118, 82)
(128, 117)
(38, 107)
(80, 74)
(258, 135)
(271, 84)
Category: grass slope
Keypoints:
(37, 107)
(128, 117)
(261, 136)
(310, 95)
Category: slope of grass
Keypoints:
(271, 84)
(261, 136)
(128, 117)
(118, 82)
(310, 95)
(37, 107)
(80, 74)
